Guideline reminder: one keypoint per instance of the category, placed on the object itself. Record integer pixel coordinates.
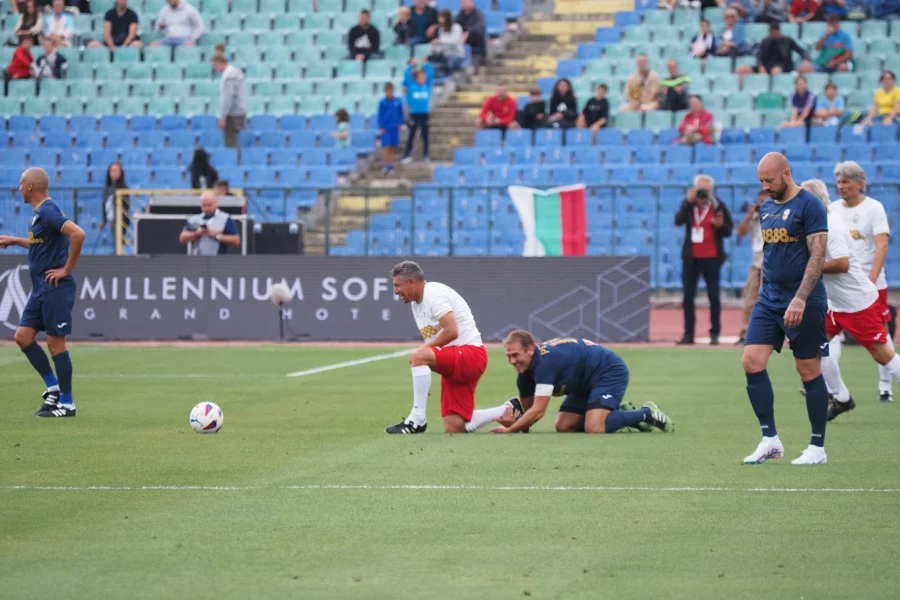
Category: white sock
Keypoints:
(885, 374)
(832, 373)
(53, 388)
(480, 418)
(835, 348)
(893, 370)
(421, 377)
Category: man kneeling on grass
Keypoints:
(593, 379)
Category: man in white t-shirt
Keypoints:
(453, 348)
(853, 306)
(750, 225)
(868, 225)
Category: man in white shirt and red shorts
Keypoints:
(853, 306)
(453, 349)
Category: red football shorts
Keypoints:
(460, 368)
(866, 326)
(883, 305)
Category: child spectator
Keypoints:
(830, 109)
(404, 27)
(418, 82)
(704, 42)
(341, 133)
(534, 114)
(50, 65)
(803, 10)
(697, 125)
(20, 65)
(390, 119)
(596, 112)
(563, 106)
(803, 105)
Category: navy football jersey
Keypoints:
(785, 228)
(49, 248)
(570, 365)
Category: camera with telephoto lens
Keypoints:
(702, 195)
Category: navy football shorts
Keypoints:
(51, 311)
(808, 340)
(607, 392)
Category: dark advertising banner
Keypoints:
(339, 298)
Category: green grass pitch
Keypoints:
(667, 516)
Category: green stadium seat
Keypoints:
(788, 29)
(215, 7)
(256, 105)
(54, 88)
(83, 89)
(725, 83)
(160, 106)
(145, 89)
(349, 70)
(738, 101)
(333, 54)
(242, 38)
(192, 106)
(718, 66)
(258, 23)
(368, 106)
(108, 72)
(330, 88)
(101, 106)
(95, 56)
(342, 22)
(656, 120)
(287, 22)
(319, 70)
(859, 99)
(742, 61)
(628, 120)
(816, 82)
(205, 89)
(845, 81)
(130, 106)
(313, 105)
(282, 105)
(715, 16)
(126, 56)
(867, 62)
(354, 6)
(773, 117)
(198, 71)
(379, 69)
(261, 71)
(684, 17)
(159, 54)
(37, 106)
(700, 84)
(872, 29)
(76, 70)
(10, 106)
(655, 18)
(360, 89)
(298, 89)
(84, 24)
(139, 71)
(317, 21)
(275, 7)
(883, 47)
(21, 88)
(190, 54)
(637, 34)
(210, 39)
(755, 32)
(396, 53)
(770, 101)
(300, 39)
(783, 83)
(243, 7)
(279, 54)
(617, 52)
(598, 68)
(71, 106)
(714, 102)
(756, 84)
(268, 88)
(812, 31)
(331, 6)
(329, 38)
(666, 35)
(388, 7)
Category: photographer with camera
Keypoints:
(707, 223)
(751, 225)
(212, 231)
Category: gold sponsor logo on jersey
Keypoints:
(778, 235)
(34, 240)
(429, 331)
(856, 234)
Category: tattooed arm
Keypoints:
(817, 244)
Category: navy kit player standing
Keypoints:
(54, 245)
(591, 377)
(792, 303)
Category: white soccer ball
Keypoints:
(207, 417)
(279, 294)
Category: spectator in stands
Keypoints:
(120, 28)
(50, 65)
(404, 28)
(707, 223)
(751, 225)
(20, 64)
(474, 27)
(30, 24)
(498, 111)
(886, 10)
(886, 101)
(180, 22)
(835, 50)
(596, 112)
(59, 26)
(697, 124)
(830, 108)
(115, 180)
(775, 56)
(203, 174)
(744, 8)
(563, 106)
(803, 105)
(211, 232)
(364, 40)
(803, 10)
(220, 188)
(703, 44)
(836, 8)
(233, 94)
(448, 52)
(418, 82)
(425, 21)
(772, 11)
(731, 36)
(341, 134)
(390, 120)
(534, 114)
(675, 88)
(642, 88)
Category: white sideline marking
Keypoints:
(478, 488)
(350, 363)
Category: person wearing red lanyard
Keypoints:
(707, 223)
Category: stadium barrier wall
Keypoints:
(606, 299)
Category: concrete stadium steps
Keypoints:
(591, 7)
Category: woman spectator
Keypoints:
(803, 10)
(115, 180)
(886, 101)
(704, 42)
(731, 36)
(203, 175)
(448, 51)
(30, 24)
(803, 105)
(563, 106)
(830, 109)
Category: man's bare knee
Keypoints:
(24, 337)
(808, 369)
(422, 357)
(595, 427)
(56, 344)
(454, 424)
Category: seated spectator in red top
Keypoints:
(498, 111)
(697, 124)
(20, 65)
(803, 11)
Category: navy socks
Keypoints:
(762, 397)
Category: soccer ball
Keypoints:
(207, 417)
(279, 294)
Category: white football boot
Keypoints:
(769, 447)
(813, 455)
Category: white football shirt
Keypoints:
(852, 291)
(864, 221)
(756, 240)
(438, 300)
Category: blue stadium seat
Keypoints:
(527, 156)
(487, 138)
(82, 123)
(738, 155)
(182, 139)
(827, 153)
(618, 155)
(648, 155)
(792, 136)
(467, 156)
(587, 157)
(610, 137)
(103, 158)
(822, 135)
(640, 137)
(859, 152)
(667, 136)
(799, 153)
(732, 135)
(548, 137)
(21, 123)
(52, 124)
(518, 137)
(203, 123)
(579, 137)
(150, 139)
(850, 135)
(884, 133)
(761, 135)
(43, 157)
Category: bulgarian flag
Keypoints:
(554, 221)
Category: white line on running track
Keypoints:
(477, 488)
(350, 363)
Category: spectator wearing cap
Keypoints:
(363, 39)
(697, 124)
(829, 108)
(120, 28)
(474, 27)
(498, 111)
(675, 88)
(534, 114)
(731, 36)
(835, 49)
(233, 99)
(776, 54)
(181, 24)
(641, 88)
(803, 105)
